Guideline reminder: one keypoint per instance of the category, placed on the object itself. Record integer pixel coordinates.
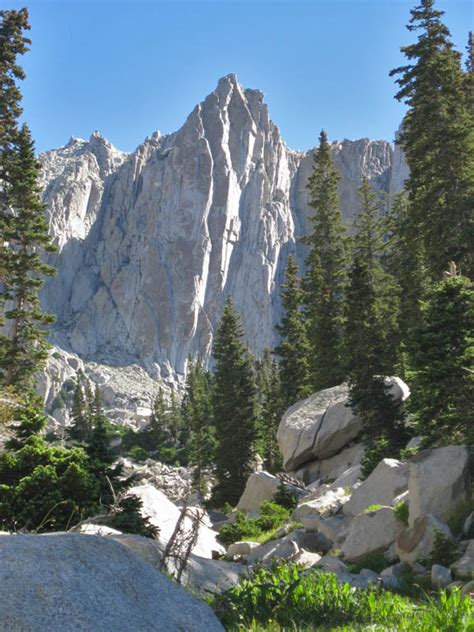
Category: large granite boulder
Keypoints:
(416, 542)
(164, 514)
(438, 481)
(382, 486)
(321, 425)
(59, 582)
(371, 532)
(260, 486)
(317, 427)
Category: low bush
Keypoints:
(285, 497)
(271, 517)
(445, 551)
(401, 512)
(285, 597)
(374, 562)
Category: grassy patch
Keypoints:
(285, 597)
(263, 528)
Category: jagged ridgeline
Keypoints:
(152, 242)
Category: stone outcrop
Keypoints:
(438, 482)
(416, 542)
(371, 532)
(260, 487)
(164, 514)
(152, 242)
(60, 582)
(317, 427)
(382, 486)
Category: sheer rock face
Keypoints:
(152, 242)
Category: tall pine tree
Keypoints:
(235, 408)
(442, 360)
(293, 350)
(438, 142)
(372, 328)
(326, 275)
(198, 416)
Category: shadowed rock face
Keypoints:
(152, 242)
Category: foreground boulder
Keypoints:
(70, 581)
(438, 481)
(371, 532)
(317, 427)
(382, 486)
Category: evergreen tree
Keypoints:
(437, 138)
(469, 75)
(326, 276)
(25, 348)
(98, 447)
(371, 327)
(293, 349)
(23, 225)
(271, 409)
(235, 408)
(80, 428)
(405, 262)
(197, 414)
(442, 358)
(12, 44)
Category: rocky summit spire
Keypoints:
(153, 242)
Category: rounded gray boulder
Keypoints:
(69, 582)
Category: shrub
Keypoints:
(374, 561)
(271, 516)
(445, 551)
(373, 507)
(137, 453)
(285, 497)
(401, 510)
(381, 449)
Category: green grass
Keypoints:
(262, 529)
(287, 598)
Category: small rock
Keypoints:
(464, 567)
(241, 548)
(468, 589)
(440, 576)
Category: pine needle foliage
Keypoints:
(294, 349)
(438, 141)
(326, 276)
(235, 408)
(442, 361)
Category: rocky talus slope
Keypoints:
(152, 242)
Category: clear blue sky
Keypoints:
(130, 67)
